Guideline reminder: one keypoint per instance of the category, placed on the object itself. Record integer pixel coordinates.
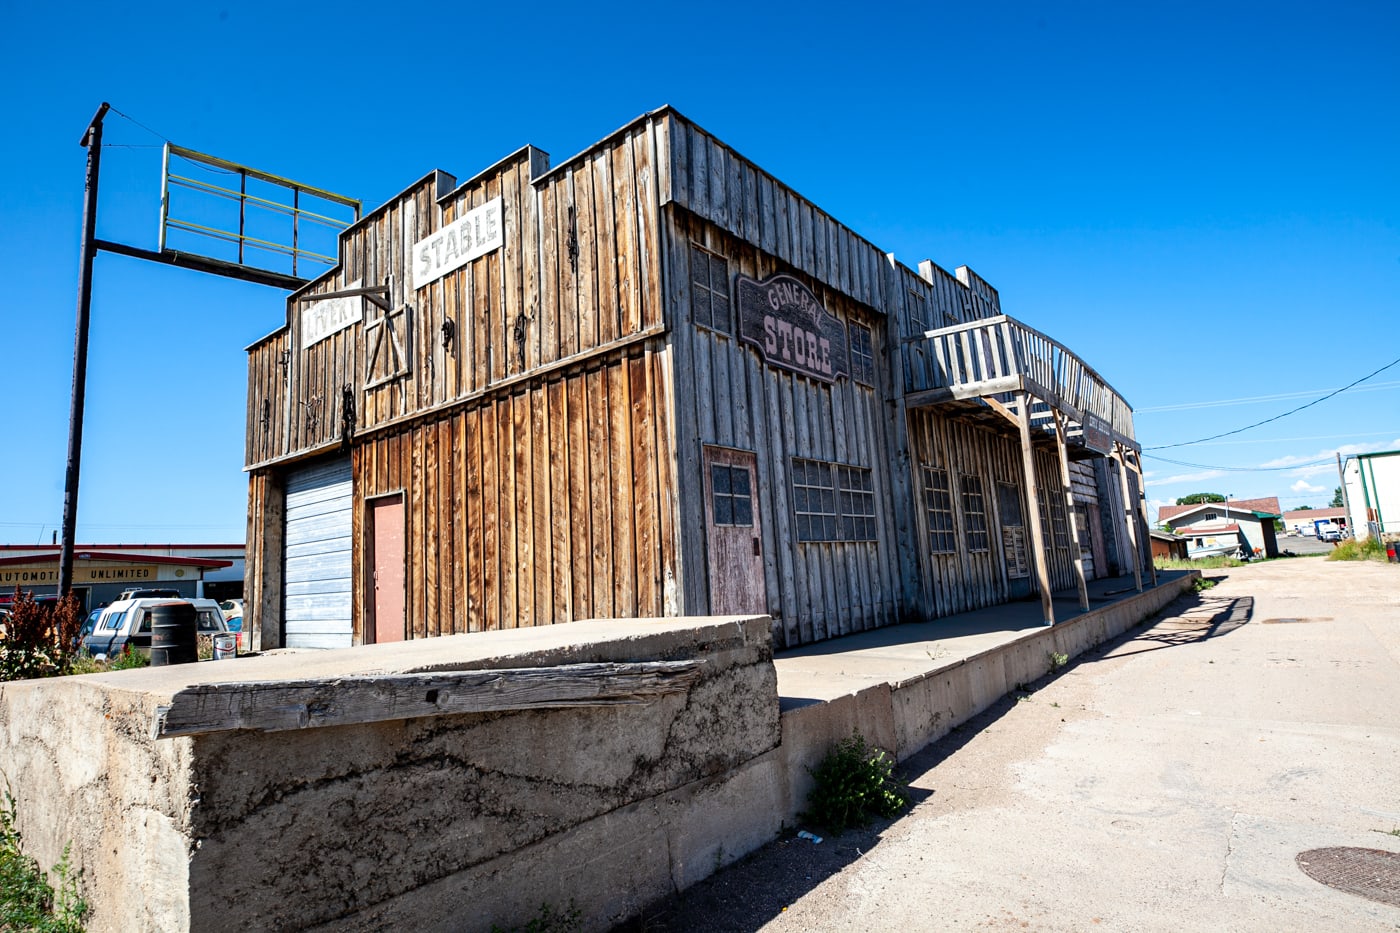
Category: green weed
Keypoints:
(1351, 549)
(548, 919)
(28, 901)
(853, 783)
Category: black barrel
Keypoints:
(174, 634)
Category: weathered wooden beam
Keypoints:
(1042, 569)
(1068, 482)
(1129, 516)
(275, 706)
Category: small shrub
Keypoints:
(40, 639)
(1366, 549)
(1202, 583)
(27, 900)
(854, 782)
(1057, 659)
(128, 659)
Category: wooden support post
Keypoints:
(1130, 516)
(1042, 572)
(1141, 511)
(1068, 482)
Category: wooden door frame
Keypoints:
(706, 515)
(366, 587)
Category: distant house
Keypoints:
(1167, 545)
(1239, 525)
(1301, 521)
(1372, 485)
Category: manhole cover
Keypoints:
(1370, 873)
(1298, 619)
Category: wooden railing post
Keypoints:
(1042, 571)
(1129, 515)
(1068, 482)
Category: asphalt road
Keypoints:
(1167, 781)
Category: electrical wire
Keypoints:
(1230, 469)
(1256, 424)
(140, 124)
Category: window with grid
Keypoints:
(974, 505)
(1059, 530)
(938, 506)
(814, 501)
(857, 488)
(1052, 519)
(709, 290)
(862, 354)
(918, 314)
(731, 495)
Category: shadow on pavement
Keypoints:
(750, 893)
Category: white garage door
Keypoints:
(316, 571)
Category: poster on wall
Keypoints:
(791, 329)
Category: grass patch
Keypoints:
(28, 901)
(1366, 549)
(1218, 562)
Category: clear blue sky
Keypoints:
(1200, 199)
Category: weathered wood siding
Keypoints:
(731, 398)
(578, 273)
(536, 506)
(963, 579)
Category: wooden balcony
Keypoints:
(994, 363)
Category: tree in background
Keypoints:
(1337, 500)
(1196, 498)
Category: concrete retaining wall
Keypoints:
(462, 821)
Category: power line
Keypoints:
(1276, 417)
(140, 124)
(1231, 469)
(1252, 399)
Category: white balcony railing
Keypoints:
(1000, 357)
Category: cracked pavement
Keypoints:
(1165, 781)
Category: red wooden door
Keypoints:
(386, 524)
(734, 533)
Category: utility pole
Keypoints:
(92, 139)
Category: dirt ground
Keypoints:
(1165, 781)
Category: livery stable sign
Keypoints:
(476, 233)
(788, 325)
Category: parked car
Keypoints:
(1330, 534)
(128, 622)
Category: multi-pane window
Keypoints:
(918, 314)
(974, 505)
(814, 500)
(731, 495)
(862, 354)
(1052, 518)
(1060, 531)
(857, 488)
(832, 502)
(709, 290)
(938, 506)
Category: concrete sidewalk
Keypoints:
(903, 654)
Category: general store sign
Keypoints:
(790, 328)
(320, 319)
(1097, 435)
(474, 234)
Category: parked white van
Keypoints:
(128, 622)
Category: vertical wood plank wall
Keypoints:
(549, 453)
(535, 507)
(729, 397)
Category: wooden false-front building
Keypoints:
(653, 381)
